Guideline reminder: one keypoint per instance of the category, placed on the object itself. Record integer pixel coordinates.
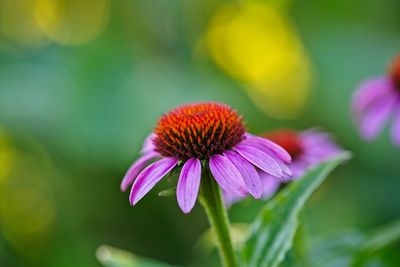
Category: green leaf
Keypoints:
(205, 244)
(335, 250)
(271, 234)
(113, 257)
(170, 192)
(376, 241)
(354, 248)
(382, 237)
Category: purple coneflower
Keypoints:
(376, 100)
(199, 136)
(307, 149)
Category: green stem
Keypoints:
(211, 199)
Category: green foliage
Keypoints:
(381, 238)
(206, 244)
(336, 250)
(113, 257)
(356, 249)
(376, 243)
(170, 192)
(272, 233)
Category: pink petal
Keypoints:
(249, 173)
(229, 198)
(287, 172)
(270, 184)
(188, 184)
(318, 145)
(148, 143)
(374, 118)
(149, 177)
(314, 137)
(136, 168)
(396, 130)
(298, 168)
(369, 92)
(264, 144)
(226, 174)
(260, 159)
(279, 160)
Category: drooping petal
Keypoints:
(268, 145)
(396, 130)
(188, 184)
(369, 92)
(270, 184)
(287, 172)
(314, 137)
(136, 168)
(226, 174)
(260, 159)
(249, 174)
(374, 118)
(318, 145)
(149, 177)
(229, 198)
(299, 167)
(148, 143)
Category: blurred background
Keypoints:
(83, 82)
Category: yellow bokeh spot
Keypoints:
(7, 156)
(27, 208)
(27, 217)
(26, 212)
(18, 26)
(72, 22)
(255, 44)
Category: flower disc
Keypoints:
(198, 131)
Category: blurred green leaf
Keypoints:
(113, 257)
(271, 235)
(170, 192)
(335, 250)
(205, 244)
(354, 248)
(382, 237)
(377, 241)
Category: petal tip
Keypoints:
(258, 195)
(186, 210)
(123, 187)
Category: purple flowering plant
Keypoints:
(307, 149)
(219, 162)
(376, 101)
(215, 160)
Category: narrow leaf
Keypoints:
(382, 237)
(205, 244)
(271, 234)
(170, 192)
(113, 257)
(377, 241)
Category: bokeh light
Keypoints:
(7, 156)
(17, 26)
(256, 44)
(27, 210)
(83, 82)
(72, 22)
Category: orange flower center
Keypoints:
(287, 139)
(198, 131)
(394, 72)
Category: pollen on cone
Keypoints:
(395, 72)
(198, 131)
